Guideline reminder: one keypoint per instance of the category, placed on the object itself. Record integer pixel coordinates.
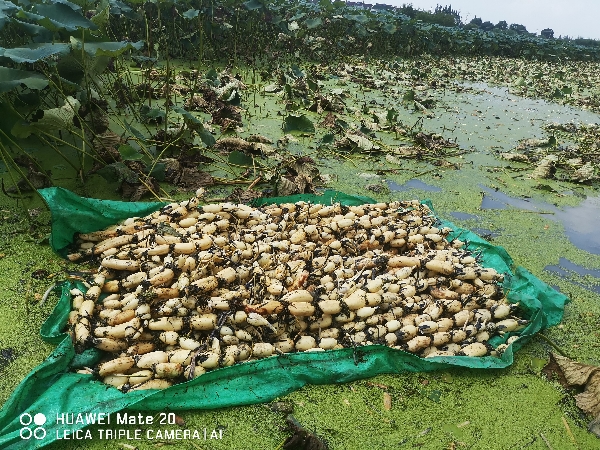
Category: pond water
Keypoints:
(412, 184)
(491, 118)
(580, 221)
(566, 268)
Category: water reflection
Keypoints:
(580, 221)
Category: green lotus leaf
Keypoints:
(8, 119)
(101, 18)
(241, 159)
(128, 153)
(34, 52)
(152, 114)
(133, 130)
(7, 10)
(106, 48)
(313, 23)
(326, 5)
(11, 78)
(312, 85)
(60, 17)
(328, 138)
(251, 5)
(298, 72)
(73, 6)
(117, 172)
(42, 34)
(300, 123)
(8, 7)
(191, 13)
(212, 75)
(360, 18)
(119, 8)
(197, 125)
(389, 28)
(297, 17)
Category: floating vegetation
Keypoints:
(578, 163)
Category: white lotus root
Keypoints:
(192, 288)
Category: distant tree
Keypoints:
(517, 28)
(450, 12)
(477, 21)
(586, 42)
(437, 17)
(547, 33)
(486, 26)
(502, 25)
(408, 10)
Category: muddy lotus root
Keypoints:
(192, 288)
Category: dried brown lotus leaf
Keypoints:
(594, 426)
(589, 400)
(575, 373)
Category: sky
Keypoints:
(573, 18)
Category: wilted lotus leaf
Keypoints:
(233, 143)
(518, 157)
(240, 195)
(532, 144)
(106, 142)
(328, 121)
(286, 187)
(171, 168)
(301, 438)
(227, 116)
(325, 103)
(566, 127)
(579, 374)
(35, 178)
(584, 173)
(230, 90)
(575, 372)
(273, 87)
(545, 168)
(196, 103)
(259, 138)
(362, 142)
(299, 177)
(51, 119)
(169, 89)
(355, 140)
(433, 141)
(589, 400)
(191, 179)
(135, 191)
(594, 426)
(265, 149)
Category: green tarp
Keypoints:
(53, 387)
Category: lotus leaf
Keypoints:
(298, 123)
(11, 78)
(34, 52)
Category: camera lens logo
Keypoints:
(30, 429)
